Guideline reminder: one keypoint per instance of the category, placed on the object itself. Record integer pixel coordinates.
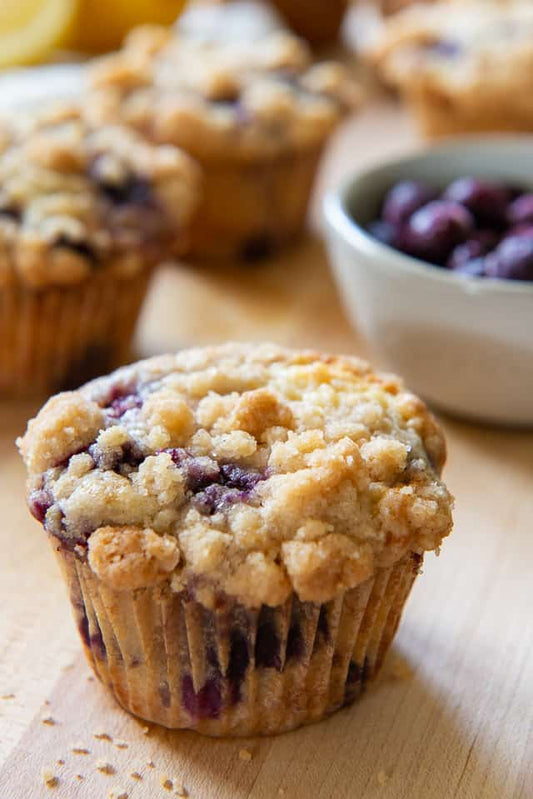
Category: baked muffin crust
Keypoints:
(222, 99)
(468, 52)
(75, 199)
(247, 470)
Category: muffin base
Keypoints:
(251, 208)
(235, 671)
(57, 338)
(438, 116)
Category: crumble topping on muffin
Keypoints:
(74, 199)
(221, 98)
(462, 49)
(251, 470)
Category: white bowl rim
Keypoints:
(339, 219)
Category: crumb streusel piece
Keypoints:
(254, 471)
(76, 199)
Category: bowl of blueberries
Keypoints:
(433, 256)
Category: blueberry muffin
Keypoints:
(239, 528)
(463, 67)
(85, 214)
(254, 113)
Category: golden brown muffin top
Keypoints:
(222, 99)
(248, 470)
(464, 49)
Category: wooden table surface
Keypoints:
(451, 715)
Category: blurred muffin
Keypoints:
(239, 528)
(463, 67)
(318, 21)
(84, 217)
(254, 113)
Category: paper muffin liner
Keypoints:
(57, 338)
(252, 207)
(235, 671)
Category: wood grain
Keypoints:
(452, 714)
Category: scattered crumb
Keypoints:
(104, 767)
(181, 791)
(80, 777)
(146, 730)
(60, 762)
(68, 667)
(121, 744)
(49, 721)
(136, 775)
(118, 793)
(80, 750)
(245, 754)
(167, 783)
(49, 778)
(400, 670)
(8, 696)
(90, 678)
(47, 702)
(382, 777)
(151, 764)
(102, 736)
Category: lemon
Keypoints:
(102, 24)
(31, 29)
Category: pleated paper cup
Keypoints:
(251, 208)
(235, 671)
(57, 338)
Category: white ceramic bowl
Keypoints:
(464, 344)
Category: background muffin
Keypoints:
(255, 114)
(260, 513)
(85, 214)
(463, 67)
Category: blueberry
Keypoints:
(295, 643)
(384, 232)
(480, 244)
(513, 259)
(39, 502)
(119, 405)
(435, 229)
(474, 268)
(445, 48)
(520, 212)
(267, 643)
(207, 703)
(234, 476)
(404, 199)
(239, 660)
(486, 201)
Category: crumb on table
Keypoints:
(245, 754)
(49, 721)
(49, 778)
(79, 749)
(382, 778)
(102, 736)
(104, 767)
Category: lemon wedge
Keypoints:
(31, 29)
